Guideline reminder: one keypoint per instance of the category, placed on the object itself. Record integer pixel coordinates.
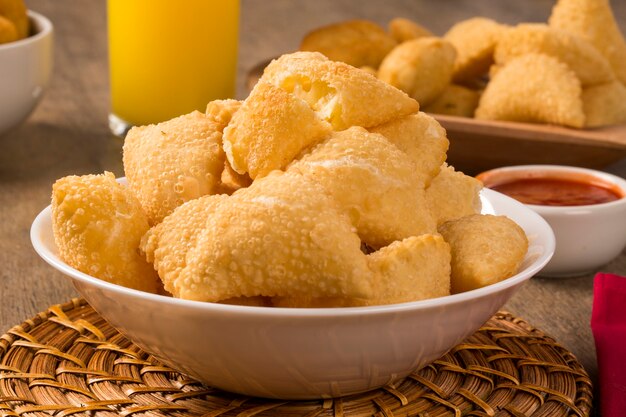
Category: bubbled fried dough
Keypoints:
(403, 30)
(413, 269)
(409, 64)
(582, 57)
(534, 88)
(593, 20)
(453, 194)
(281, 236)
(605, 104)
(355, 42)
(372, 181)
(422, 138)
(485, 249)
(269, 130)
(173, 162)
(474, 40)
(97, 225)
(339, 93)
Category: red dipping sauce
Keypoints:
(549, 187)
(557, 192)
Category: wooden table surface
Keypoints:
(68, 134)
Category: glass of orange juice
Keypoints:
(168, 58)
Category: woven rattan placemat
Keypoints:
(69, 361)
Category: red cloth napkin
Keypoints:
(608, 324)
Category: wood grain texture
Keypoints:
(68, 134)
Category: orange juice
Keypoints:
(169, 58)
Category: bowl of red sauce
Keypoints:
(585, 208)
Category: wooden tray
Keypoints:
(68, 361)
(479, 145)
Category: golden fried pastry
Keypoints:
(371, 71)
(422, 68)
(166, 244)
(582, 57)
(8, 31)
(453, 194)
(485, 249)
(455, 100)
(241, 249)
(172, 162)
(605, 104)
(339, 93)
(372, 181)
(413, 269)
(97, 225)
(474, 40)
(269, 130)
(534, 88)
(403, 30)
(593, 20)
(355, 42)
(221, 112)
(231, 180)
(15, 11)
(422, 138)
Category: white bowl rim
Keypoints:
(606, 176)
(45, 28)
(38, 227)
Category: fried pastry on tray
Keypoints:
(582, 57)
(485, 249)
(403, 30)
(422, 68)
(452, 194)
(534, 88)
(355, 42)
(97, 225)
(422, 138)
(413, 269)
(593, 20)
(455, 100)
(605, 104)
(474, 40)
(372, 181)
(269, 130)
(174, 161)
(339, 93)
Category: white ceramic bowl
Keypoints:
(25, 68)
(588, 236)
(302, 353)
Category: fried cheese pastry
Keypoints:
(422, 138)
(422, 68)
(593, 20)
(455, 100)
(485, 249)
(339, 93)
(403, 30)
(15, 11)
(97, 225)
(281, 236)
(582, 57)
(413, 269)
(355, 42)
(221, 112)
(8, 31)
(269, 130)
(172, 162)
(373, 182)
(605, 104)
(474, 40)
(452, 194)
(534, 88)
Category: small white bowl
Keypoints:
(302, 353)
(25, 68)
(587, 236)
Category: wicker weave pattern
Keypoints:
(68, 361)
